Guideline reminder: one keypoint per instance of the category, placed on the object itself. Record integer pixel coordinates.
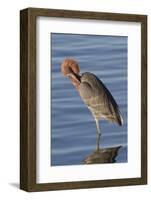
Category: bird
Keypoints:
(94, 94)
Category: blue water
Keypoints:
(73, 130)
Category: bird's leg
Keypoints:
(98, 133)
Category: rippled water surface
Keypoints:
(73, 130)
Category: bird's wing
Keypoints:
(98, 99)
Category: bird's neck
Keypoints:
(75, 83)
(75, 80)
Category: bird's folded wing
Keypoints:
(100, 101)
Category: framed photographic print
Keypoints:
(83, 99)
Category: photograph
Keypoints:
(88, 99)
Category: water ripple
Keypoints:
(73, 130)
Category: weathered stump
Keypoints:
(106, 155)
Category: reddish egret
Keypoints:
(94, 94)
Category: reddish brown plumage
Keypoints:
(71, 69)
(69, 66)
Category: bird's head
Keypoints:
(70, 69)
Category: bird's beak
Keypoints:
(74, 77)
